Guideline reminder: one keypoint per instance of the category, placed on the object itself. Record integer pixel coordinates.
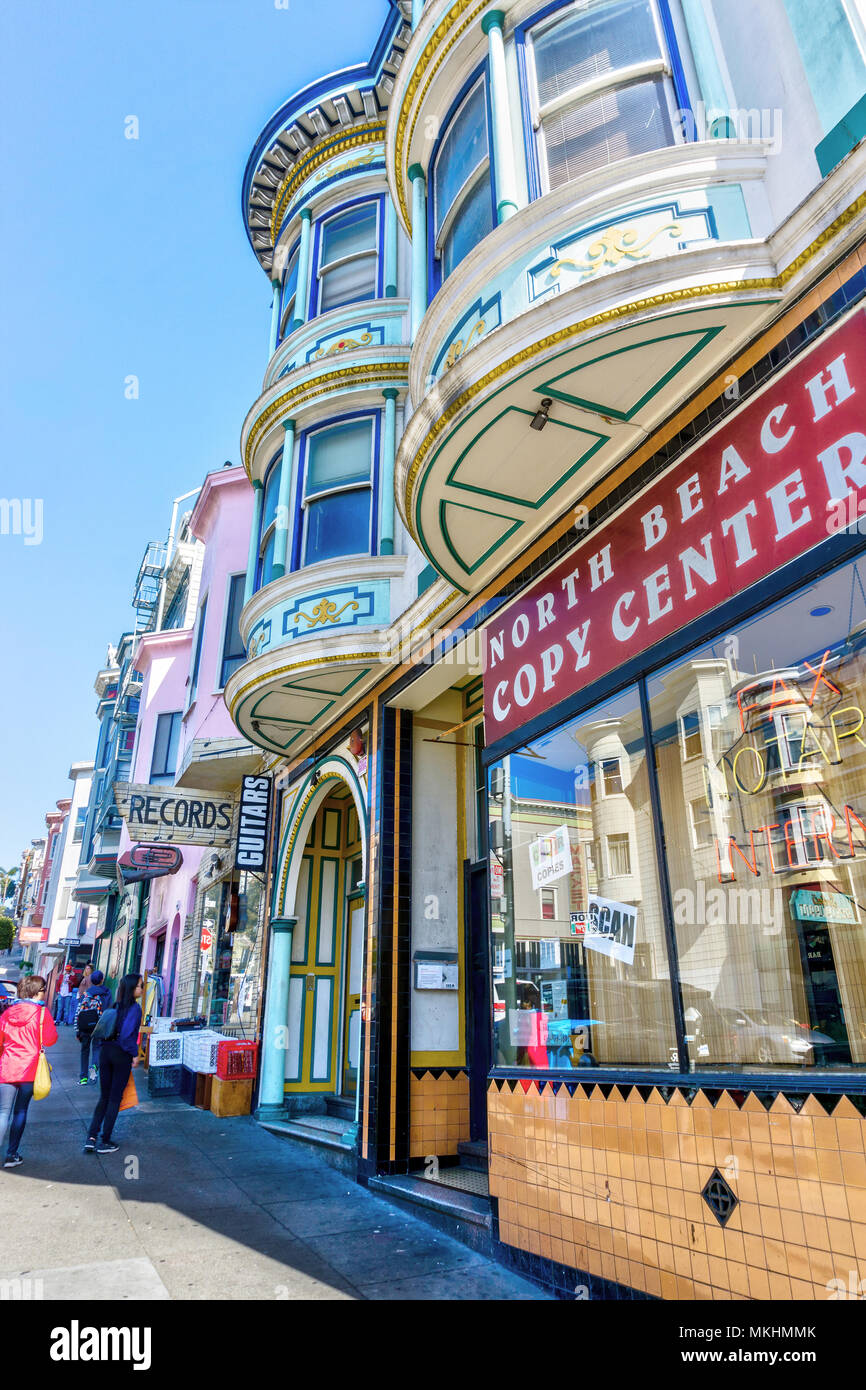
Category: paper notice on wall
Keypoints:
(610, 928)
(550, 857)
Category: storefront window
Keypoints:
(760, 749)
(580, 965)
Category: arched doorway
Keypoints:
(321, 885)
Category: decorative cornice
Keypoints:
(650, 303)
(348, 658)
(414, 83)
(320, 154)
(364, 374)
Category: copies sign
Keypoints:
(255, 810)
(786, 472)
(176, 814)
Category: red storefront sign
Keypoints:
(787, 471)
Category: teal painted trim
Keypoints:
(301, 960)
(350, 777)
(314, 1076)
(390, 249)
(595, 440)
(302, 1020)
(335, 860)
(831, 59)
(842, 139)
(446, 534)
(417, 11)
(505, 174)
(419, 248)
(428, 576)
(713, 90)
(302, 294)
(389, 454)
(253, 556)
(281, 534)
(275, 319)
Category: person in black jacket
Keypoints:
(91, 1005)
(119, 1056)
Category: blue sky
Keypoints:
(123, 257)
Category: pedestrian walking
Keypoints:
(119, 1055)
(63, 993)
(25, 1030)
(91, 1005)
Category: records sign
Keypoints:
(157, 814)
(251, 847)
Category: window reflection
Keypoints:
(580, 967)
(761, 758)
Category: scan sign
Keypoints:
(610, 928)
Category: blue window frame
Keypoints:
(337, 502)
(596, 85)
(289, 293)
(348, 267)
(193, 684)
(166, 740)
(268, 523)
(462, 187)
(234, 653)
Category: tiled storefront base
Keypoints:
(610, 1181)
(438, 1111)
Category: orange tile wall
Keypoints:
(613, 1187)
(438, 1113)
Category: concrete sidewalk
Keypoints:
(194, 1207)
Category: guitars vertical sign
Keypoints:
(253, 823)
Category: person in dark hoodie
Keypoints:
(95, 1000)
(119, 1055)
(25, 1028)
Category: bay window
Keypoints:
(599, 87)
(349, 257)
(338, 490)
(462, 193)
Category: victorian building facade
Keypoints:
(551, 632)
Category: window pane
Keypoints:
(234, 653)
(616, 124)
(588, 983)
(266, 564)
(470, 225)
(339, 456)
(290, 283)
(165, 747)
(584, 46)
(272, 492)
(461, 151)
(354, 280)
(338, 525)
(202, 614)
(353, 231)
(769, 880)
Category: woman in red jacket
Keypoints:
(20, 1030)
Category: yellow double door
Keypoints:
(327, 951)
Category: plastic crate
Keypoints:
(187, 1085)
(166, 1050)
(164, 1081)
(200, 1050)
(236, 1061)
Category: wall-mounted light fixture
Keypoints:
(542, 414)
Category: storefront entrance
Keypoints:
(327, 946)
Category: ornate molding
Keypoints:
(363, 135)
(365, 374)
(651, 303)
